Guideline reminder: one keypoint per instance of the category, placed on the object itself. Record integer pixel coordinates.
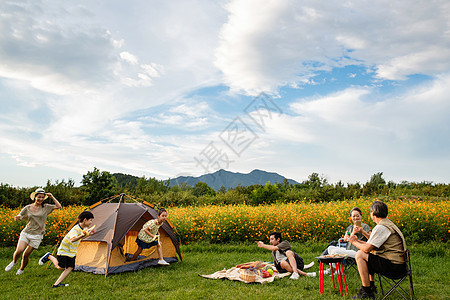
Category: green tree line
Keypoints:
(97, 185)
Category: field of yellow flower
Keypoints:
(419, 220)
(57, 223)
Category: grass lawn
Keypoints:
(430, 265)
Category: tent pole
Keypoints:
(110, 198)
(108, 260)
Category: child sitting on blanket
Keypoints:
(148, 237)
(284, 258)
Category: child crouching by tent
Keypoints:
(67, 251)
(148, 237)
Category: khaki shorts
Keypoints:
(33, 240)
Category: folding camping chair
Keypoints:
(394, 283)
(350, 263)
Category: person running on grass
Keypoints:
(284, 258)
(148, 237)
(67, 251)
(31, 236)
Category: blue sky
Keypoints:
(163, 89)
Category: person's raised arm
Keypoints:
(57, 204)
(268, 247)
(361, 230)
(79, 237)
(361, 245)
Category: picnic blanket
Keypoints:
(235, 272)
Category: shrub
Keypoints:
(420, 221)
(57, 223)
(265, 194)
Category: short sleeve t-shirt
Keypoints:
(379, 235)
(280, 254)
(67, 248)
(152, 227)
(359, 235)
(36, 220)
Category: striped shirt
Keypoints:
(67, 248)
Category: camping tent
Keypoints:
(117, 226)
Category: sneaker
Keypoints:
(362, 294)
(10, 266)
(294, 276)
(19, 272)
(60, 285)
(334, 273)
(44, 258)
(312, 274)
(163, 262)
(308, 265)
(374, 289)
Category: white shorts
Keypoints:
(33, 240)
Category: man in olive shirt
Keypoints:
(383, 253)
(284, 258)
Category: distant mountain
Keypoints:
(231, 180)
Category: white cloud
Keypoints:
(128, 57)
(153, 70)
(85, 85)
(74, 76)
(190, 115)
(192, 109)
(428, 61)
(133, 74)
(266, 46)
(348, 133)
(42, 50)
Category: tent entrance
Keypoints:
(130, 246)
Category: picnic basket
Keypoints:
(247, 275)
